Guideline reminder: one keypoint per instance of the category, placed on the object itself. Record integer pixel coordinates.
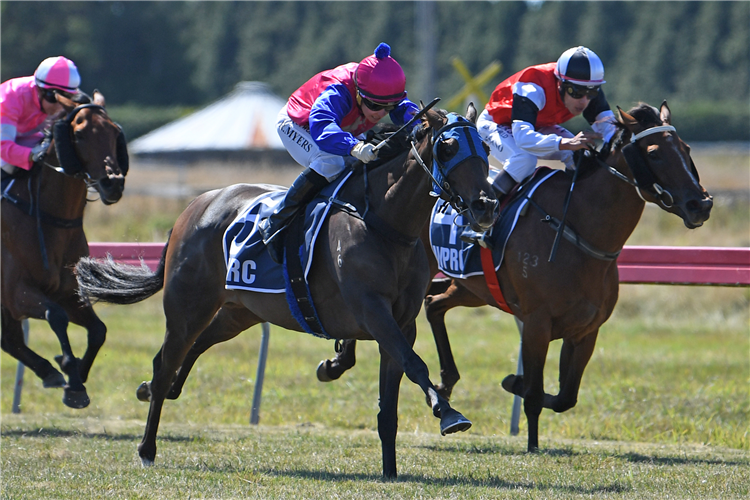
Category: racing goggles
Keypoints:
(49, 96)
(579, 91)
(377, 106)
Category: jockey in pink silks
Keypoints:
(28, 105)
(324, 122)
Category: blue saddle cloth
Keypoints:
(249, 266)
(458, 259)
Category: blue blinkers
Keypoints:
(469, 146)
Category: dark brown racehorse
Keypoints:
(366, 283)
(42, 233)
(571, 297)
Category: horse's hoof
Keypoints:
(145, 462)
(143, 393)
(513, 384)
(53, 380)
(322, 371)
(454, 422)
(76, 399)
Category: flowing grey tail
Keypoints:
(108, 281)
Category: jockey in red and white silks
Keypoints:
(28, 106)
(521, 123)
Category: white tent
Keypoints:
(243, 120)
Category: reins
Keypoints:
(638, 167)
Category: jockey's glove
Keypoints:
(38, 152)
(364, 152)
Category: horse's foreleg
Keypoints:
(74, 395)
(96, 333)
(573, 360)
(536, 339)
(12, 342)
(390, 382)
(331, 369)
(226, 325)
(400, 348)
(436, 306)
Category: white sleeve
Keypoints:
(605, 125)
(532, 141)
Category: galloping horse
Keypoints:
(42, 232)
(367, 279)
(573, 296)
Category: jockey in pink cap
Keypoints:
(324, 122)
(28, 105)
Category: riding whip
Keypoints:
(416, 117)
(565, 210)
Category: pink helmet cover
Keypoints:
(58, 73)
(380, 78)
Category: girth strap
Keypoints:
(490, 277)
(297, 281)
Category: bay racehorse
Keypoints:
(367, 280)
(571, 297)
(43, 238)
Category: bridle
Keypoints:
(643, 175)
(469, 146)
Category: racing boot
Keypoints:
(303, 190)
(502, 185)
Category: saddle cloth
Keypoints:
(249, 266)
(458, 259)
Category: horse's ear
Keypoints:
(99, 98)
(626, 119)
(665, 114)
(471, 113)
(433, 119)
(66, 102)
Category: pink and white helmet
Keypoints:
(380, 78)
(580, 66)
(59, 73)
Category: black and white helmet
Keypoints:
(580, 66)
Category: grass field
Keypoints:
(663, 411)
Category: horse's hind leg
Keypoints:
(230, 321)
(188, 313)
(12, 342)
(331, 369)
(573, 360)
(436, 306)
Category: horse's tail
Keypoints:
(108, 281)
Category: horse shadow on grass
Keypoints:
(457, 481)
(508, 450)
(51, 432)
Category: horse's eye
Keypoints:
(653, 153)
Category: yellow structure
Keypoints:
(473, 84)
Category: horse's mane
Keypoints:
(398, 144)
(647, 115)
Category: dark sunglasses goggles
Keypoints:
(579, 91)
(377, 106)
